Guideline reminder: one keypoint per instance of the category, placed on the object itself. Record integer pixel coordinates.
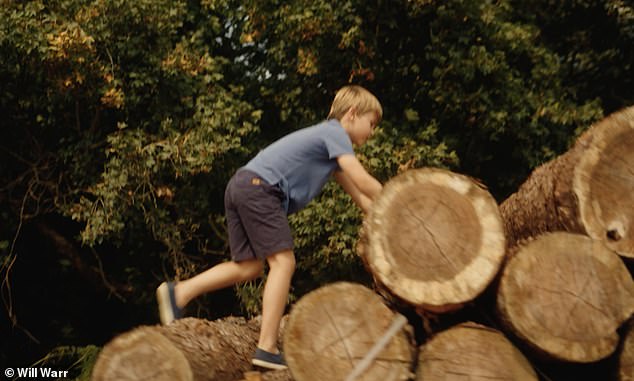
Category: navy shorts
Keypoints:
(256, 220)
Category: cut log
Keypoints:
(141, 354)
(471, 351)
(587, 190)
(268, 375)
(187, 349)
(434, 239)
(215, 350)
(626, 358)
(277, 375)
(330, 330)
(566, 295)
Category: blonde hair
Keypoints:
(354, 96)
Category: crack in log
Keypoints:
(341, 336)
(577, 299)
(406, 250)
(359, 358)
(629, 180)
(471, 376)
(458, 363)
(336, 340)
(433, 238)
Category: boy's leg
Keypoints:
(172, 297)
(281, 268)
(220, 276)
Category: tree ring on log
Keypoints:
(330, 330)
(565, 295)
(434, 238)
(604, 179)
(141, 354)
(472, 351)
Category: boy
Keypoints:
(279, 181)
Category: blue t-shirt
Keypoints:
(301, 162)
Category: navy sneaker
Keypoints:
(268, 360)
(168, 310)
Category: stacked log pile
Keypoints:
(587, 190)
(551, 256)
(565, 292)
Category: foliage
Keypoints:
(593, 41)
(78, 361)
(496, 91)
(128, 79)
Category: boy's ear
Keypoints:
(352, 112)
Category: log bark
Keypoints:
(471, 351)
(626, 357)
(566, 295)
(434, 239)
(587, 190)
(187, 349)
(331, 329)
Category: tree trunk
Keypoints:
(434, 239)
(626, 358)
(187, 349)
(472, 351)
(330, 330)
(565, 295)
(587, 190)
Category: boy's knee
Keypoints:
(284, 259)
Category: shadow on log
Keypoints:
(434, 239)
(187, 349)
(626, 357)
(472, 351)
(566, 295)
(330, 330)
(587, 190)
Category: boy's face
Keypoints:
(362, 126)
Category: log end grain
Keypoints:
(331, 329)
(434, 238)
(472, 351)
(141, 354)
(566, 295)
(603, 181)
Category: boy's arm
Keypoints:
(357, 176)
(359, 198)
